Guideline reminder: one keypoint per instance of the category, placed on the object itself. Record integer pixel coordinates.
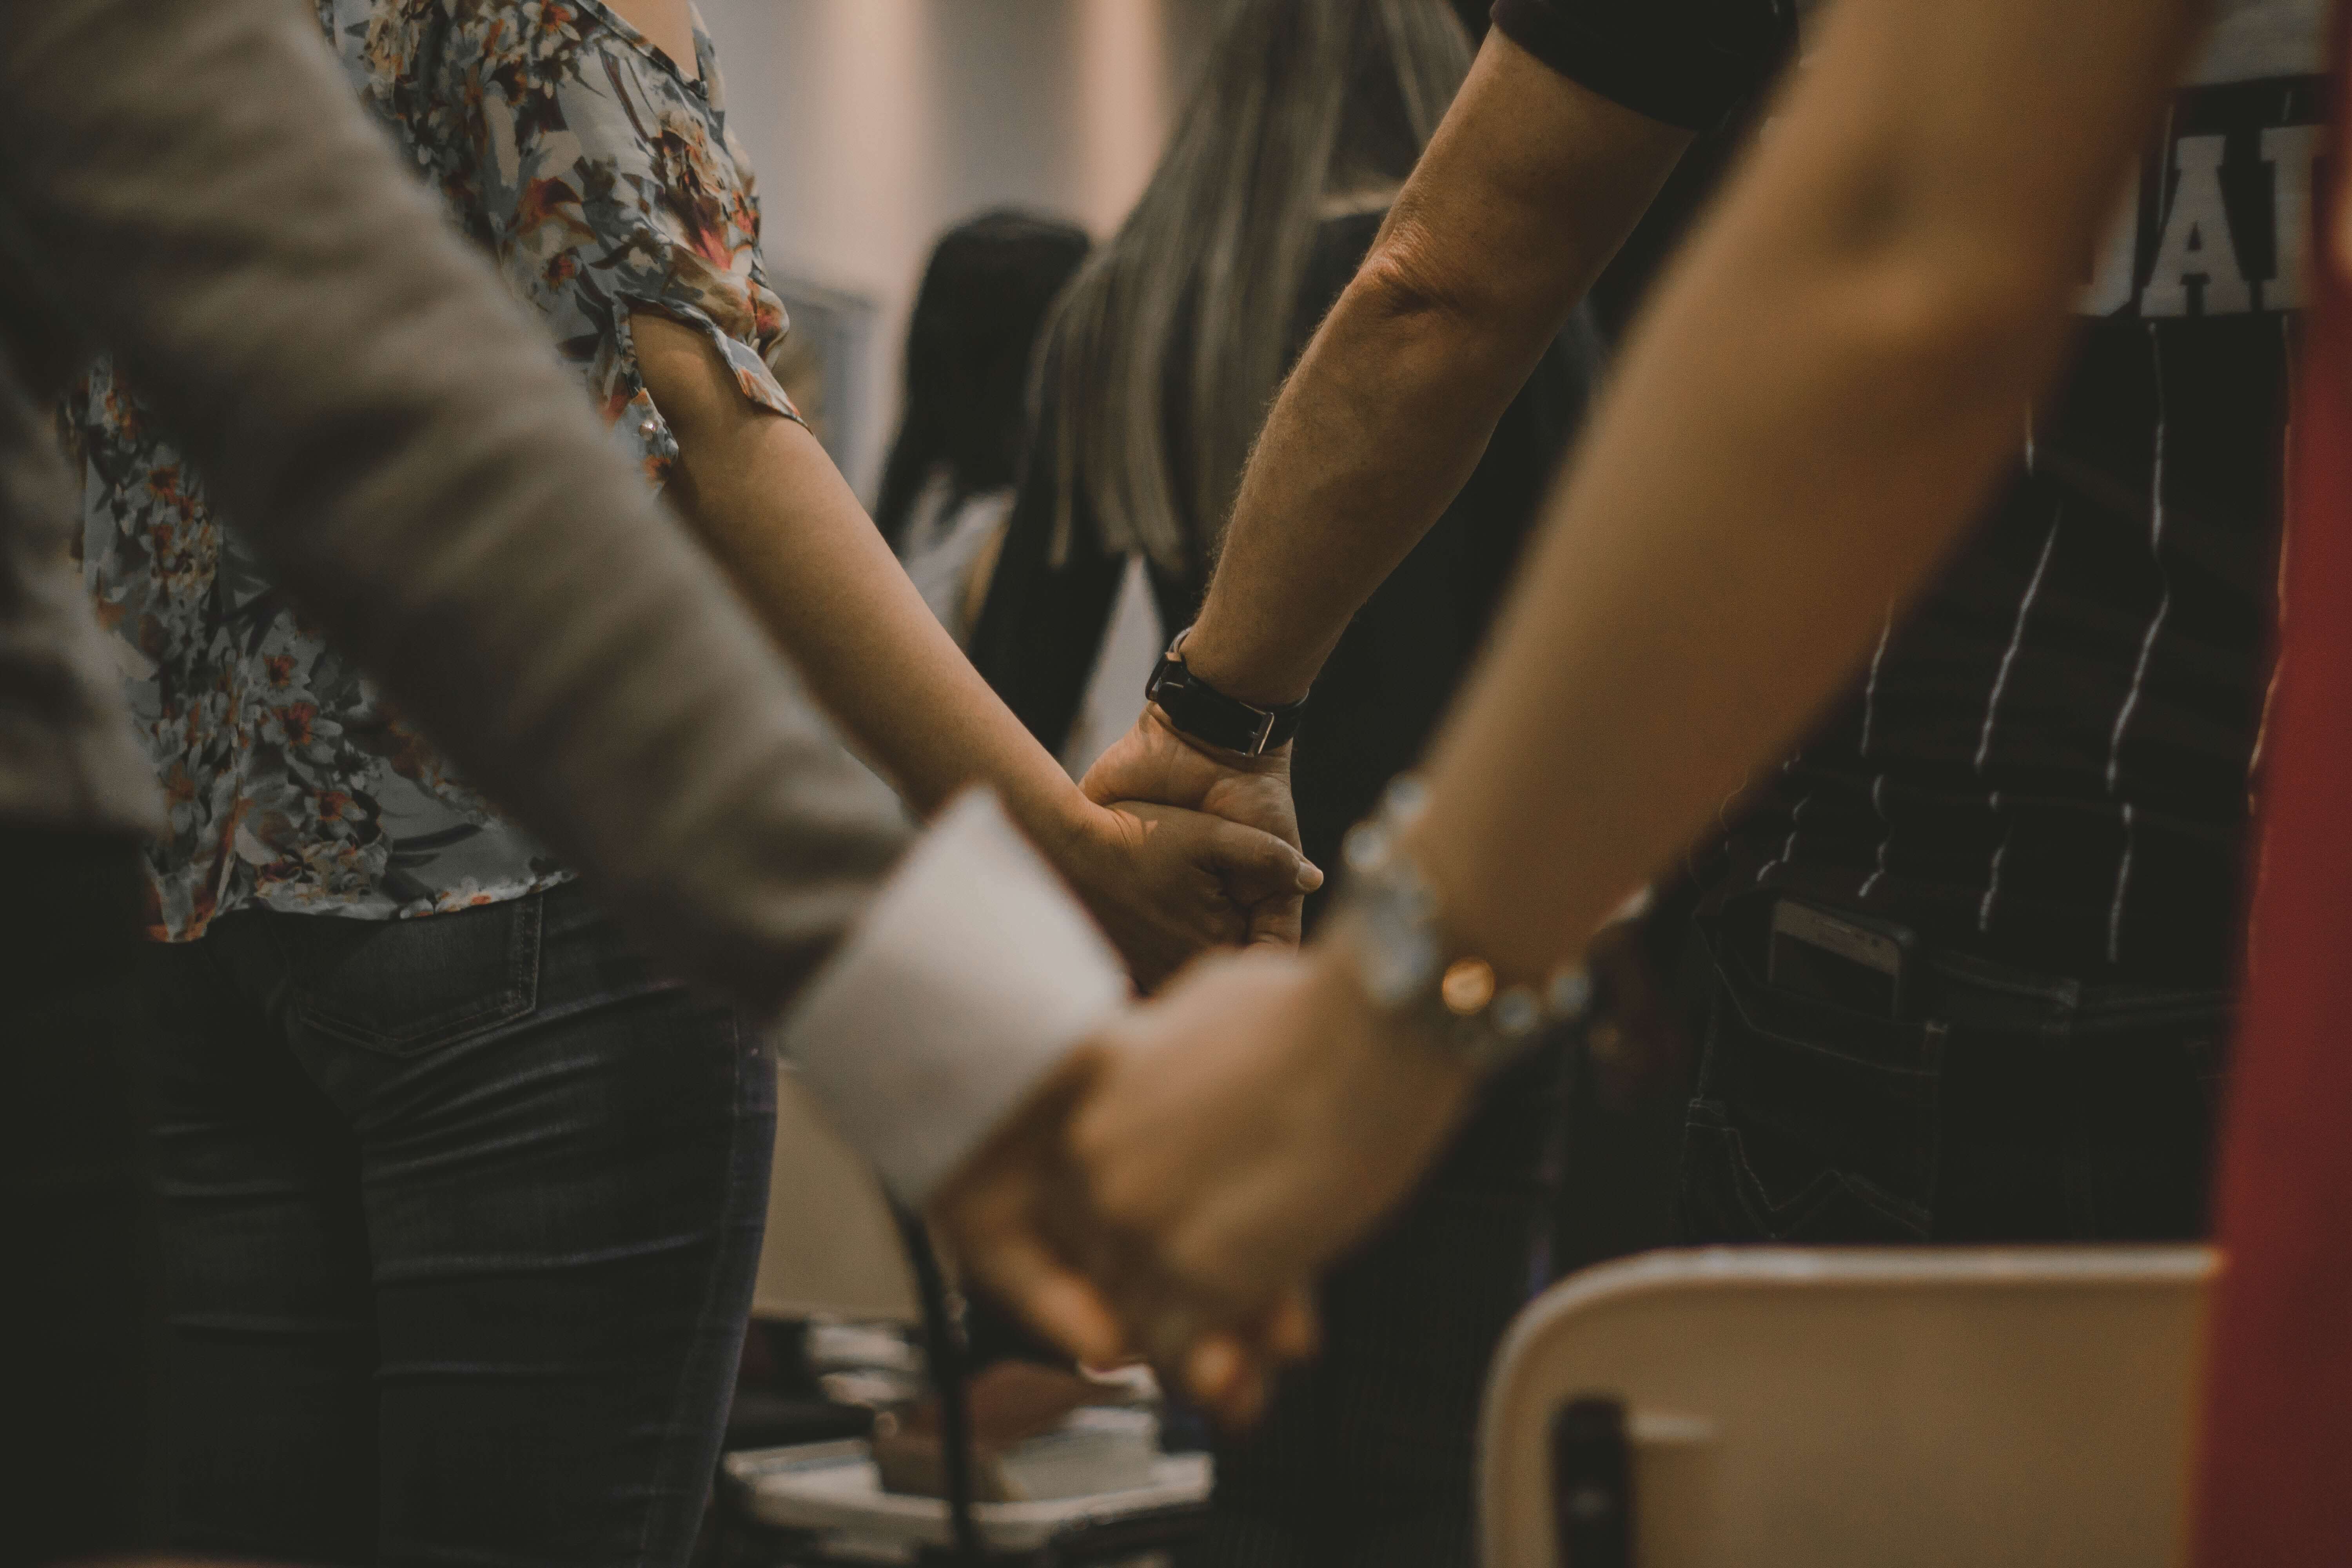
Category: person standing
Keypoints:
(948, 484)
(1162, 354)
(1834, 381)
(460, 1194)
(2027, 817)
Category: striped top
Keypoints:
(2049, 760)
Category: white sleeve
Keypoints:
(970, 977)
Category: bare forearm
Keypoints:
(1387, 415)
(769, 504)
(1826, 390)
(1530, 187)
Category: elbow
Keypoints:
(1943, 296)
(1411, 285)
(1967, 321)
(1940, 335)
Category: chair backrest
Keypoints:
(831, 1249)
(1864, 1408)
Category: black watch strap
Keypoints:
(1200, 711)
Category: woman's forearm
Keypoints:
(769, 503)
(1825, 390)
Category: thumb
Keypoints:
(1256, 866)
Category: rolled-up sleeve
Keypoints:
(607, 187)
(1682, 62)
(969, 978)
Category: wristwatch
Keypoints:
(1410, 965)
(1198, 710)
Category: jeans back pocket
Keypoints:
(405, 987)
(1813, 1123)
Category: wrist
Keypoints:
(1220, 660)
(1208, 713)
(1272, 760)
(1064, 824)
(1411, 963)
(1352, 1038)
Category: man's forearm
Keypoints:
(1383, 421)
(1530, 185)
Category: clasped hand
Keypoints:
(1175, 1190)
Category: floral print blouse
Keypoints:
(600, 179)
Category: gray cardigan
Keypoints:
(191, 184)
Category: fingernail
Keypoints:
(1310, 875)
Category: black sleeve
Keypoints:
(1684, 62)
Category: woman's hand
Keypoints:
(1168, 883)
(1235, 1136)
(1153, 762)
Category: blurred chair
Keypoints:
(831, 1250)
(1864, 1408)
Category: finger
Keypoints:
(1256, 866)
(1277, 922)
(1226, 1380)
(1214, 1369)
(1293, 1329)
(1057, 1301)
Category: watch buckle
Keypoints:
(1256, 748)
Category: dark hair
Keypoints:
(1302, 104)
(1476, 15)
(985, 293)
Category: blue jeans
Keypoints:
(2003, 1106)
(460, 1218)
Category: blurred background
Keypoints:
(876, 124)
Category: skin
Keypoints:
(763, 495)
(1828, 384)
(1525, 193)
(667, 24)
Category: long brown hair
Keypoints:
(1301, 102)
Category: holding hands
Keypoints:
(1167, 881)
(1155, 761)
(1178, 1188)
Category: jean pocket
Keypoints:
(1812, 1122)
(405, 987)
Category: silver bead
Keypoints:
(1517, 1012)
(1568, 993)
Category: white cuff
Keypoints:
(970, 977)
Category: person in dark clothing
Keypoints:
(983, 300)
(1308, 119)
(1967, 953)
(948, 486)
(1044, 615)
(2037, 794)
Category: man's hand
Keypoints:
(1152, 762)
(1239, 1135)
(1017, 1216)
